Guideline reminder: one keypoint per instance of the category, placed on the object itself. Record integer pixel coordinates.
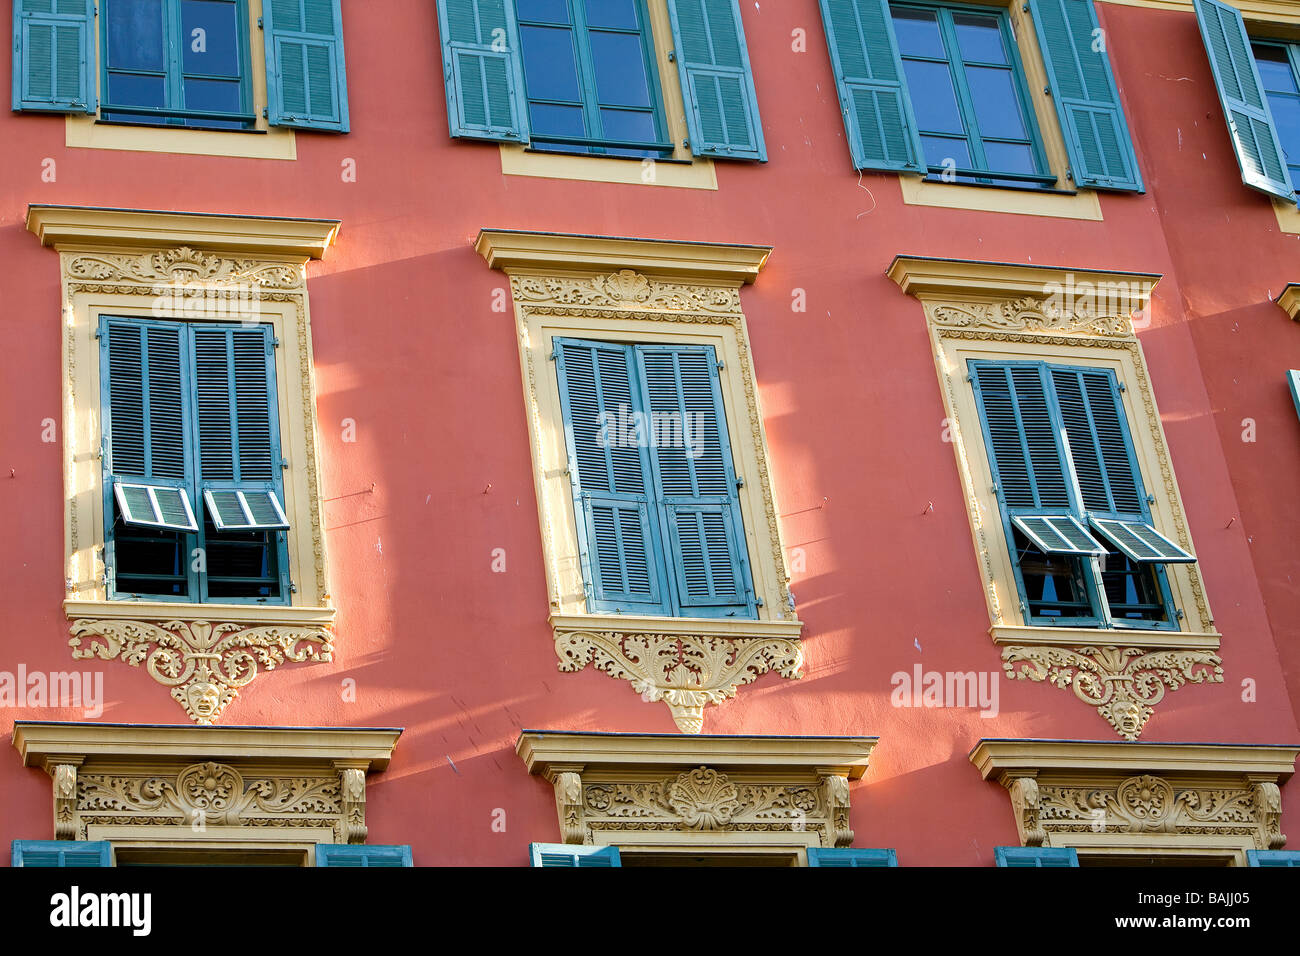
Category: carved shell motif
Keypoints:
(704, 798)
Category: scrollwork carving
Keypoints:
(625, 288)
(1030, 314)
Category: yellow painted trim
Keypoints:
(1278, 11)
(265, 142)
(1289, 299)
(1017, 635)
(307, 617)
(687, 171)
(977, 281)
(225, 846)
(995, 757)
(1288, 216)
(546, 253)
(720, 627)
(1083, 204)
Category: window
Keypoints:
(193, 493)
(1277, 65)
(590, 77)
(583, 76)
(966, 85)
(659, 524)
(932, 88)
(1073, 504)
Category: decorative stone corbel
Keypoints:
(1268, 810)
(352, 788)
(65, 797)
(835, 789)
(568, 804)
(1025, 805)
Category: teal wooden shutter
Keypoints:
(1086, 97)
(72, 853)
(1024, 450)
(362, 854)
(1273, 858)
(483, 70)
(695, 481)
(306, 81)
(618, 529)
(850, 856)
(54, 56)
(145, 406)
(878, 117)
(1035, 856)
(565, 854)
(717, 82)
(237, 425)
(1293, 380)
(1250, 123)
(1101, 451)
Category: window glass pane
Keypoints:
(135, 35)
(612, 13)
(933, 99)
(979, 38)
(628, 126)
(939, 150)
(1275, 69)
(125, 89)
(1286, 114)
(550, 69)
(918, 33)
(1132, 590)
(620, 69)
(217, 96)
(556, 120)
(997, 108)
(549, 11)
(1052, 583)
(147, 561)
(241, 563)
(211, 36)
(1009, 158)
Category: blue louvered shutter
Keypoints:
(850, 856)
(570, 855)
(1035, 856)
(1250, 122)
(717, 82)
(695, 481)
(483, 70)
(72, 853)
(1101, 451)
(1273, 858)
(1086, 97)
(362, 854)
(54, 56)
(878, 117)
(609, 468)
(1293, 381)
(237, 425)
(307, 84)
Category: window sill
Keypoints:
(1022, 202)
(252, 614)
(520, 161)
(1008, 634)
(87, 132)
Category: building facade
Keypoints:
(498, 432)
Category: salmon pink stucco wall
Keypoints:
(408, 347)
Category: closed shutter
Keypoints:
(878, 116)
(695, 482)
(54, 56)
(361, 854)
(1273, 858)
(1035, 856)
(1100, 449)
(1250, 123)
(568, 855)
(1086, 96)
(717, 82)
(1028, 468)
(483, 70)
(71, 853)
(609, 468)
(850, 856)
(238, 427)
(306, 74)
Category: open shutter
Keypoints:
(1101, 451)
(717, 82)
(78, 853)
(238, 427)
(826, 856)
(1035, 856)
(618, 532)
(569, 854)
(483, 70)
(1086, 97)
(1293, 380)
(362, 854)
(878, 117)
(1273, 858)
(1250, 123)
(695, 481)
(307, 83)
(54, 56)
(1024, 451)
(146, 446)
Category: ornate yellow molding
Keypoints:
(200, 783)
(1112, 797)
(657, 789)
(204, 664)
(975, 281)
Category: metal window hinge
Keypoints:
(265, 114)
(259, 23)
(275, 343)
(672, 56)
(740, 482)
(551, 357)
(758, 602)
(284, 462)
(293, 588)
(721, 366)
(1151, 499)
(1178, 613)
(1047, 90)
(1123, 387)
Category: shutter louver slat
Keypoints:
(53, 56)
(483, 70)
(1022, 439)
(1099, 444)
